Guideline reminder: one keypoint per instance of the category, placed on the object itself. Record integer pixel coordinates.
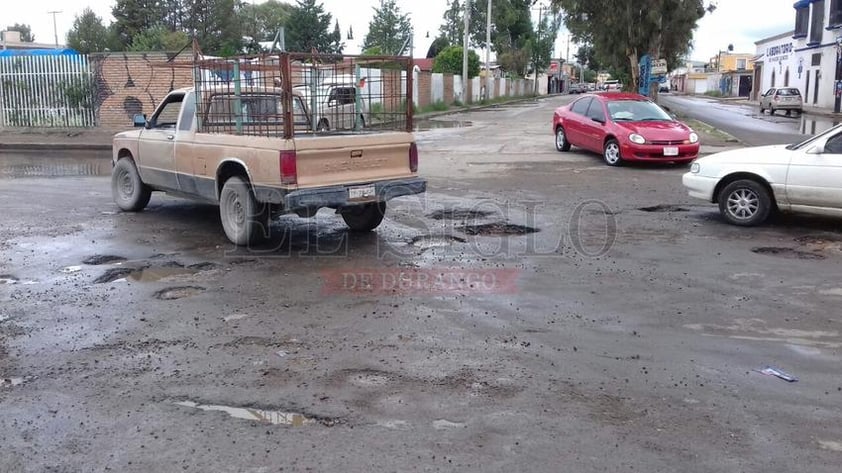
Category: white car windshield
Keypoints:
(813, 139)
(636, 111)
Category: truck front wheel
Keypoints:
(244, 219)
(129, 192)
(364, 218)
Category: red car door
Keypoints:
(593, 127)
(574, 122)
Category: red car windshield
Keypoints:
(636, 111)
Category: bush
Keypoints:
(449, 61)
(713, 93)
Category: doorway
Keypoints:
(817, 76)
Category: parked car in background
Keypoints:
(612, 85)
(578, 89)
(750, 183)
(624, 127)
(785, 98)
(664, 88)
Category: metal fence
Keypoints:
(46, 91)
(291, 94)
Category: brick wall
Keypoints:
(128, 84)
(425, 85)
(448, 88)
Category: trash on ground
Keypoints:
(770, 371)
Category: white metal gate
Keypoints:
(46, 91)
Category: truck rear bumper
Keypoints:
(339, 196)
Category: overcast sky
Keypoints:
(738, 22)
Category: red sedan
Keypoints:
(624, 127)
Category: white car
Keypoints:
(748, 184)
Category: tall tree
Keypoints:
(450, 61)
(25, 32)
(390, 31)
(215, 24)
(309, 28)
(622, 31)
(160, 38)
(133, 17)
(88, 33)
(439, 44)
(454, 23)
(262, 21)
(586, 56)
(541, 45)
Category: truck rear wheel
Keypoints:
(244, 219)
(129, 192)
(364, 218)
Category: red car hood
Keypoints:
(657, 131)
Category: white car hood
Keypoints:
(761, 155)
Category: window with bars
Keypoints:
(817, 25)
(836, 13)
(802, 22)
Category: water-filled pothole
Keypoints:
(114, 274)
(459, 214)
(790, 253)
(262, 415)
(664, 208)
(425, 125)
(497, 229)
(173, 293)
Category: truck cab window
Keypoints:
(167, 116)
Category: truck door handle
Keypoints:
(170, 137)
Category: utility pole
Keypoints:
(534, 62)
(465, 52)
(488, 51)
(55, 28)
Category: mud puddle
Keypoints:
(23, 164)
(146, 274)
(97, 260)
(426, 242)
(493, 229)
(261, 415)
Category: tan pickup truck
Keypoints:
(255, 177)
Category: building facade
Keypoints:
(807, 58)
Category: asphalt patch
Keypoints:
(664, 208)
(790, 253)
(497, 229)
(173, 293)
(97, 260)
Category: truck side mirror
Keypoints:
(139, 121)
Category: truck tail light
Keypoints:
(413, 157)
(289, 167)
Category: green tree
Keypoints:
(309, 28)
(542, 43)
(449, 61)
(586, 56)
(88, 34)
(389, 29)
(25, 32)
(262, 21)
(622, 31)
(160, 38)
(132, 17)
(439, 44)
(454, 23)
(215, 25)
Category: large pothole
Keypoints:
(97, 260)
(664, 208)
(790, 253)
(497, 229)
(173, 293)
(459, 214)
(263, 416)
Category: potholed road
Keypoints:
(624, 335)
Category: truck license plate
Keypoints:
(361, 192)
(671, 151)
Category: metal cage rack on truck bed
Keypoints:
(297, 94)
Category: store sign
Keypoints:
(779, 53)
